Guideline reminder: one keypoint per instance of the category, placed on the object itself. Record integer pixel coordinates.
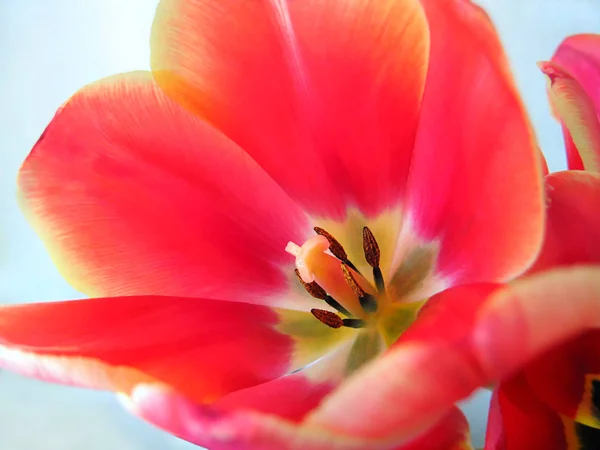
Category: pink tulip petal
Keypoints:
(224, 429)
(475, 181)
(535, 315)
(578, 114)
(520, 421)
(573, 220)
(580, 56)
(450, 433)
(134, 195)
(324, 95)
(205, 349)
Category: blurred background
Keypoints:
(51, 48)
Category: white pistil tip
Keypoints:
(293, 249)
(300, 254)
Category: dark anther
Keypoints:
(335, 247)
(372, 255)
(312, 288)
(354, 323)
(328, 318)
(318, 292)
(371, 248)
(367, 301)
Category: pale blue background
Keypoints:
(49, 49)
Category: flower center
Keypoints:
(326, 273)
(378, 291)
(372, 288)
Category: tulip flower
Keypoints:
(279, 225)
(558, 393)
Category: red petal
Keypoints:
(574, 161)
(573, 220)
(203, 348)
(450, 433)
(336, 128)
(475, 182)
(295, 395)
(568, 378)
(133, 195)
(520, 421)
(579, 116)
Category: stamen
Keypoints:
(373, 255)
(328, 318)
(367, 301)
(335, 247)
(318, 292)
(354, 323)
(371, 248)
(312, 288)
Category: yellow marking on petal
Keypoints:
(466, 445)
(349, 232)
(312, 339)
(588, 413)
(579, 436)
(396, 318)
(77, 275)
